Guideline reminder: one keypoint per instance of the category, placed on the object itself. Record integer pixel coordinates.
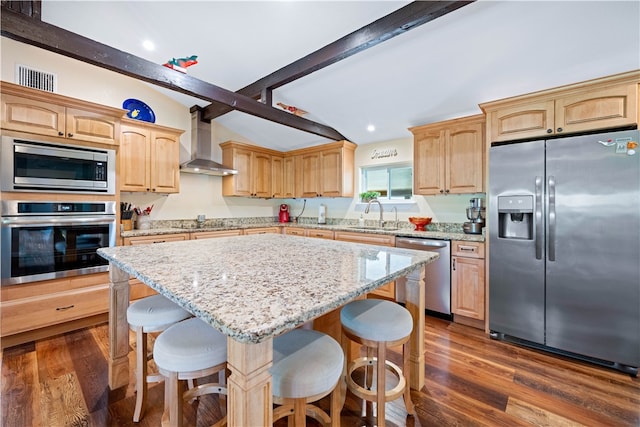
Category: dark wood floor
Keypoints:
(470, 381)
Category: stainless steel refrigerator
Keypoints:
(564, 246)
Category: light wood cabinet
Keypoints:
(149, 158)
(289, 177)
(309, 232)
(262, 230)
(326, 170)
(468, 280)
(449, 157)
(387, 291)
(40, 309)
(254, 166)
(43, 113)
(277, 177)
(599, 104)
(157, 238)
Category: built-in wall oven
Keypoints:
(29, 165)
(45, 240)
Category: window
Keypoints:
(392, 182)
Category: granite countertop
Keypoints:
(255, 287)
(401, 232)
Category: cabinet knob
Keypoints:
(560, 129)
(441, 191)
(549, 130)
(60, 133)
(446, 191)
(70, 135)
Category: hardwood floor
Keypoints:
(471, 380)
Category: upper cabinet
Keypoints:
(448, 157)
(43, 113)
(326, 170)
(605, 103)
(254, 166)
(321, 171)
(149, 157)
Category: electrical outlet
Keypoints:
(621, 147)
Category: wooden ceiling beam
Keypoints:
(399, 22)
(32, 31)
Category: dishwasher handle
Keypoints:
(424, 244)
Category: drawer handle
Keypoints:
(467, 248)
(65, 308)
(159, 241)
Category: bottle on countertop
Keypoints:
(322, 214)
(361, 221)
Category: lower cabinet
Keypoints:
(213, 234)
(308, 232)
(468, 282)
(36, 310)
(387, 291)
(262, 230)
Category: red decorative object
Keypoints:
(181, 64)
(291, 109)
(420, 222)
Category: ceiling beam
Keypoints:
(33, 31)
(399, 22)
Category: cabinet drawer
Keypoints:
(467, 249)
(294, 231)
(369, 238)
(387, 291)
(40, 311)
(320, 234)
(262, 230)
(159, 238)
(214, 234)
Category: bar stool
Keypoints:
(307, 366)
(150, 314)
(189, 350)
(378, 324)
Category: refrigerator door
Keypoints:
(593, 273)
(516, 265)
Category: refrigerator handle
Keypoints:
(538, 217)
(552, 218)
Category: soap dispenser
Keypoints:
(322, 214)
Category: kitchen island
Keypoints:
(254, 288)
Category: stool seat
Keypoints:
(307, 365)
(376, 320)
(155, 313)
(190, 345)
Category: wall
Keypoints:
(200, 194)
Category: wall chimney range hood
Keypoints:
(201, 162)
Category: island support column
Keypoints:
(415, 284)
(250, 400)
(118, 328)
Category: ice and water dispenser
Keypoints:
(515, 217)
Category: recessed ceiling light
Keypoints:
(371, 128)
(148, 44)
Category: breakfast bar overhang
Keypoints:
(254, 288)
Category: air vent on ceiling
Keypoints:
(30, 77)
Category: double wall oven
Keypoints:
(49, 236)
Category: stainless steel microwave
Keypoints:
(29, 165)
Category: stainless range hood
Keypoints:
(201, 149)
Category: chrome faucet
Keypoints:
(366, 210)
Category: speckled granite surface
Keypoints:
(446, 231)
(258, 286)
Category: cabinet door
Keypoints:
(165, 172)
(26, 115)
(467, 287)
(289, 177)
(89, 126)
(310, 174)
(464, 154)
(531, 120)
(134, 155)
(429, 163)
(260, 173)
(600, 109)
(331, 175)
(277, 177)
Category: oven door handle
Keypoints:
(54, 220)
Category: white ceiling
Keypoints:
(484, 51)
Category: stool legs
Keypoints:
(141, 374)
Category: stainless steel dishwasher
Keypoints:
(437, 274)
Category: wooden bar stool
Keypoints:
(150, 314)
(307, 366)
(378, 325)
(189, 350)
